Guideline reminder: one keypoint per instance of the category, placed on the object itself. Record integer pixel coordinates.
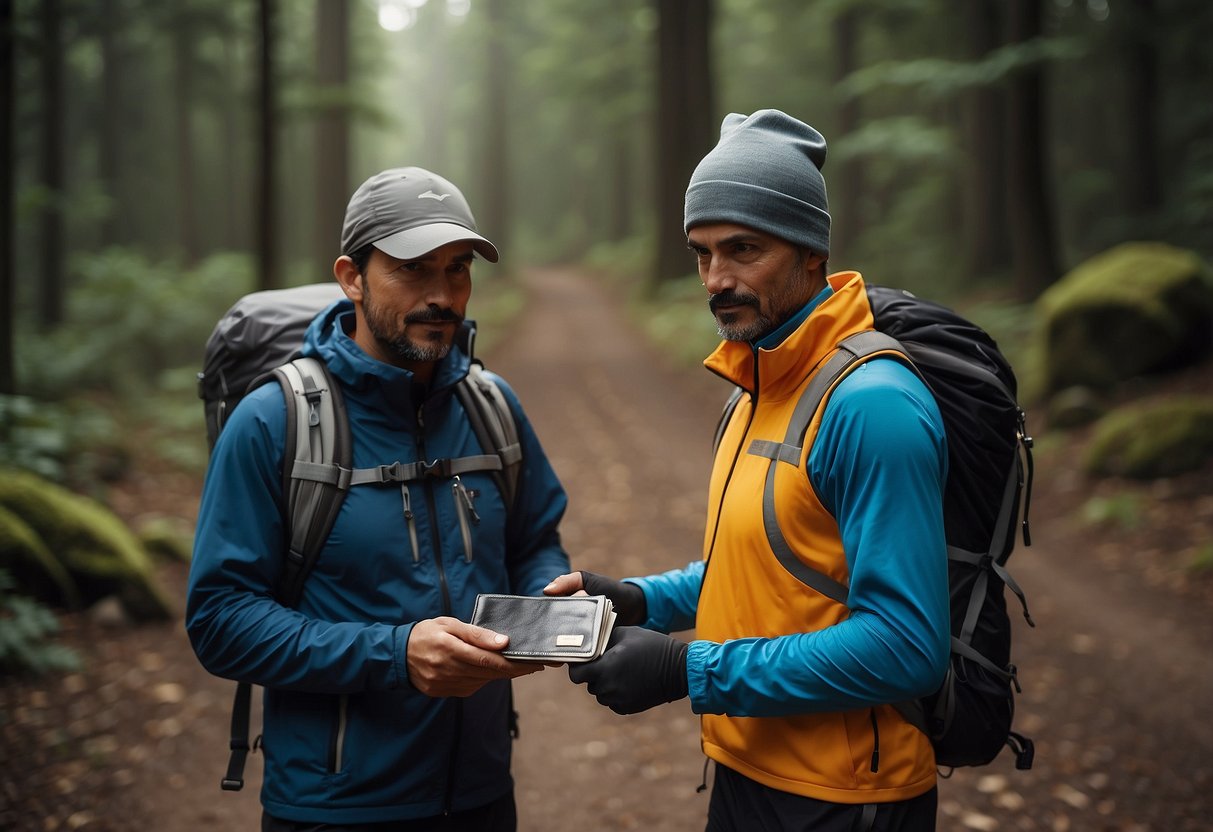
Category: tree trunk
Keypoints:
(984, 215)
(8, 384)
(685, 120)
(183, 95)
(1030, 212)
(493, 215)
(332, 129)
(435, 93)
(1140, 170)
(620, 223)
(847, 189)
(52, 241)
(109, 160)
(266, 196)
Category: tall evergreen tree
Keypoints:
(685, 119)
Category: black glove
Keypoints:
(639, 670)
(628, 599)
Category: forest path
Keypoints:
(1117, 679)
(1116, 676)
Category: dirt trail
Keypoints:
(1117, 680)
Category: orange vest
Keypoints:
(747, 593)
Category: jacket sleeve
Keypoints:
(879, 465)
(672, 597)
(534, 551)
(236, 627)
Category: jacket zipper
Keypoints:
(338, 754)
(875, 742)
(411, 520)
(446, 609)
(466, 510)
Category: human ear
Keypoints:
(348, 277)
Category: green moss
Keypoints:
(1135, 309)
(93, 545)
(167, 539)
(35, 570)
(1151, 439)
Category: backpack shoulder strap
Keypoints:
(495, 427)
(315, 478)
(726, 416)
(316, 466)
(851, 352)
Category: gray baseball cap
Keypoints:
(409, 212)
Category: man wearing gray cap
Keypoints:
(796, 683)
(383, 709)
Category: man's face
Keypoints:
(413, 308)
(755, 281)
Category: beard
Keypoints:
(782, 305)
(393, 337)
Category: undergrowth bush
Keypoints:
(128, 319)
(26, 631)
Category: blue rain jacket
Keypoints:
(346, 738)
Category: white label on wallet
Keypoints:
(569, 640)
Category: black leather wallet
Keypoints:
(572, 628)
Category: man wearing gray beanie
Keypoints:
(821, 600)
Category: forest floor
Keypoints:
(1117, 688)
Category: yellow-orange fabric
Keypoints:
(747, 593)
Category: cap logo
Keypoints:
(432, 195)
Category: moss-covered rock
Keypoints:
(167, 538)
(1136, 309)
(96, 548)
(34, 569)
(1151, 439)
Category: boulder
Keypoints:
(1153, 438)
(94, 546)
(1134, 310)
(34, 570)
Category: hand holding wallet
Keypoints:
(639, 670)
(549, 629)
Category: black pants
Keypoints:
(498, 816)
(739, 804)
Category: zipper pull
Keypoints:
(468, 495)
(465, 510)
(410, 520)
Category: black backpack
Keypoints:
(259, 338)
(989, 469)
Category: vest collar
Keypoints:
(782, 368)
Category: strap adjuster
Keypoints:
(230, 785)
(438, 468)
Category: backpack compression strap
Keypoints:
(317, 433)
(850, 353)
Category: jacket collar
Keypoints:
(781, 368)
(327, 338)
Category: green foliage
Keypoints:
(128, 319)
(1153, 438)
(1122, 511)
(676, 318)
(26, 628)
(1202, 560)
(58, 440)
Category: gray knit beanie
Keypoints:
(764, 173)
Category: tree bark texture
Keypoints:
(493, 216)
(8, 315)
(685, 119)
(846, 181)
(987, 247)
(266, 196)
(1029, 208)
(332, 129)
(52, 241)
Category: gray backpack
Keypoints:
(258, 339)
